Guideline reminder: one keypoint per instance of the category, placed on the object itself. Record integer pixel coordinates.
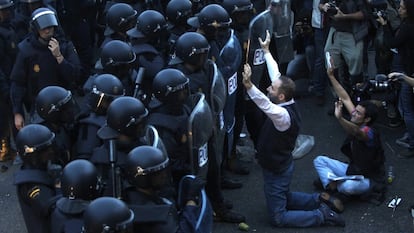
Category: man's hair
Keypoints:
(287, 87)
(371, 110)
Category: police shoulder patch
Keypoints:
(34, 192)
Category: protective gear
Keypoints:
(191, 48)
(55, 104)
(126, 115)
(79, 180)
(43, 18)
(258, 26)
(178, 11)
(199, 132)
(108, 214)
(210, 18)
(4, 4)
(146, 167)
(32, 142)
(171, 85)
(120, 18)
(151, 24)
(105, 88)
(115, 54)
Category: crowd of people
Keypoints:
(126, 115)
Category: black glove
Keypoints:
(195, 187)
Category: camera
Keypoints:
(332, 8)
(378, 8)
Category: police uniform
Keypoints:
(36, 68)
(36, 194)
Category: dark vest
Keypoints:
(364, 160)
(274, 148)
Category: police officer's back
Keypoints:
(79, 185)
(35, 187)
(105, 88)
(57, 109)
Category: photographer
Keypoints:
(345, 42)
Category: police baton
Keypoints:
(138, 81)
(114, 171)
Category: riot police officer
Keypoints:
(58, 111)
(107, 214)
(117, 58)
(80, 185)
(124, 130)
(191, 57)
(177, 13)
(146, 169)
(213, 22)
(119, 19)
(241, 12)
(42, 61)
(149, 40)
(105, 88)
(8, 51)
(35, 185)
(170, 117)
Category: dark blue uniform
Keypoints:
(36, 68)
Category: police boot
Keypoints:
(223, 214)
(4, 150)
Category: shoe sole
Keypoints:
(334, 203)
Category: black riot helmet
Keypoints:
(105, 88)
(56, 105)
(117, 55)
(6, 10)
(191, 48)
(4, 4)
(241, 11)
(79, 180)
(146, 167)
(43, 18)
(171, 86)
(33, 143)
(210, 18)
(151, 24)
(178, 11)
(126, 115)
(26, 7)
(120, 18)
(108, 214)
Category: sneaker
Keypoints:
(331, 218)
(403, 141)
(407, 153)
(333, 202)
(223, 214)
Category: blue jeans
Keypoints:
(406, 107)
(325, 165)
(289, 209)
(320, 78)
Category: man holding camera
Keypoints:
(345, 42)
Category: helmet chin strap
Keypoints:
(44, 41)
